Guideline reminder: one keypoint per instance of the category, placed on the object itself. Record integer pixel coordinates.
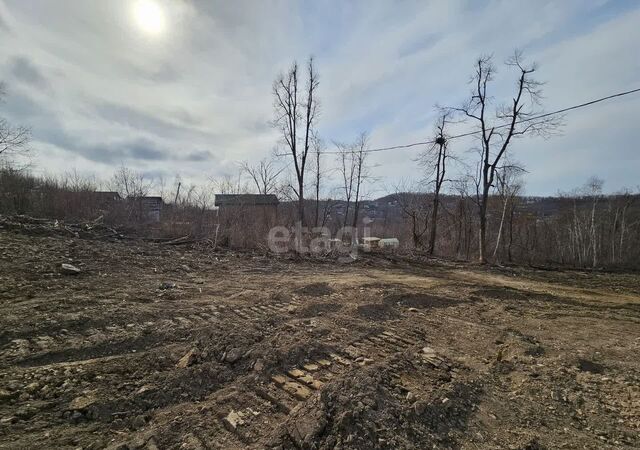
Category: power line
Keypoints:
(471, 133)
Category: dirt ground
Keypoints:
(153, 346)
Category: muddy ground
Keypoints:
(156, 346)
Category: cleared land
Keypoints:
(154, 346)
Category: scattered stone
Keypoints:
(168, 285)
(69, 269)
(305, 426)
(232, 420)
(413, 309)
(139, 422)
(146, 388)
(6, 395)
(233, 355)
(258, 366)
(190, 358)
(32, 387)
(83, 402)
(428, 351)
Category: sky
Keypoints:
(185, 87)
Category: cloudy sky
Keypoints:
(186, 88)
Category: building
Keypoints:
(245, 219)
(246, 200)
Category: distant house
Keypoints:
(260, 206)
(244, 200)
(146, 208)
(245, 219)
(106, 199)
(152, 207)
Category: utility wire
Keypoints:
(471, 133)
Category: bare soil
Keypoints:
(153, 346)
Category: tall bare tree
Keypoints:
(508, 188)
(13, 139)
(354, 171)
(318, 175)
(518, 118)
(361, 172)
(434, 162)
(296, 110)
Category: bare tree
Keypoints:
(346, 167)
(354, 171)
(129, 183)
(414, 207)
(361, 171)
(518, 117)
(13, 139)
(296, 114)
(434, 162)
(318, 176)
(230, 184)
(508, 187)
(264, 175)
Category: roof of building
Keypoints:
(245, 199)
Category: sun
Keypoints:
(149, 16)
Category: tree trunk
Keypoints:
(434, 223)
(504, 211)
(300, 202)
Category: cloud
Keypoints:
(25, 71)
(97, 91)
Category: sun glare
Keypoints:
(149, 16)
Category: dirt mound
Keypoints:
(316, 309)
(377, 311)
(316, 290)
(373, 410)
(416, 300)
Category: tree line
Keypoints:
(458, 206)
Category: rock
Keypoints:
(420, 406)
(6, 395)
(167, 285)
(411, 396)
(428, 351)
(258, 366)
(190, 358)
(76, 417)
(82, 402)
(232, 420)
(32, 387)
(139, 422)
(233, 355)
(146, 388)
(413, 309)
(305, 425)
(26, 412)
(69, 269)
(291, 309)
(191, 442)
